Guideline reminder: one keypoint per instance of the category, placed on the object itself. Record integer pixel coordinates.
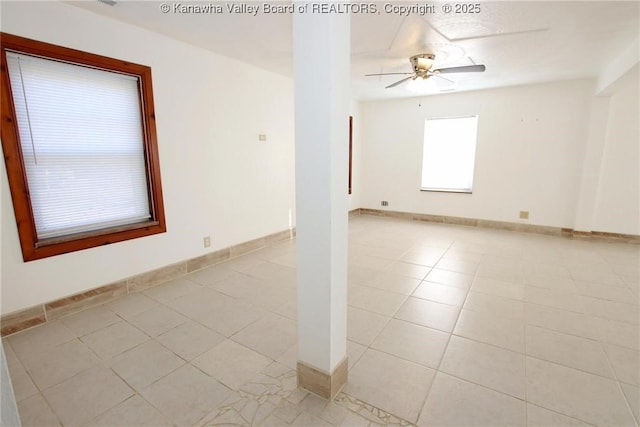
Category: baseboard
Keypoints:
(604, 236)
(20, 320)
(505, 225)
(354, 212)
(324, 384)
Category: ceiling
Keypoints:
(519, 42)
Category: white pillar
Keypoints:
(321, 70)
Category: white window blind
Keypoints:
(448, 154)
(81, 138)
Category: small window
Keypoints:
(448, 154)
(79, 141)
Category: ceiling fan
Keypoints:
(422, 64)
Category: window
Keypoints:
(448, 154)
(79, 139)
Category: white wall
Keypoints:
(617, 207)
(217, 178)
(592, 163)
(528, 157)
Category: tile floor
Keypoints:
(447, 326)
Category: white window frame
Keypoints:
(436, 157)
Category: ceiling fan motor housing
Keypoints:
(423, 62)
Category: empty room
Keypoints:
(320, 213)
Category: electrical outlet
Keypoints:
(524, 214)
(384, 203)
(207, 241)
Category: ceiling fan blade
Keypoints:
(398, 82)
(388, 74)
(443, 83)
(462, 69)
(441, 77)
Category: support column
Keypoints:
(321, 77)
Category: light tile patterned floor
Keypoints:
(447, 326)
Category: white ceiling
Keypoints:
(519, 42)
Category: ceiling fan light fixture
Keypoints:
(425, 63)
(419, 85)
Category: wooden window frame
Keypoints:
(32, 247)
(350, 150)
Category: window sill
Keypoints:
(61, 245)
(446, 190)
(103, 232)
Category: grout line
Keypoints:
(559, 413)
(49, 405)
(572, 368)
(483, 386)
(446, 347)
(610, 364)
